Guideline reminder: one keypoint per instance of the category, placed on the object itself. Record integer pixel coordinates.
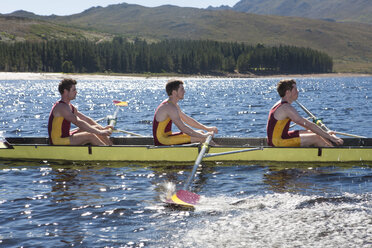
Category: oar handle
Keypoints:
(112, 122)
(198, 161)
(112, 119)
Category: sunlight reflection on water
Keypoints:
(251, 205)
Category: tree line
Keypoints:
(168, 56)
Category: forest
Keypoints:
(168, 56)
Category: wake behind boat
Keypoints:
(143, 149)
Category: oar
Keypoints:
(232, 152)
(127, 132)
(101, 119)
(320, 123)
(112, 119)
(184, 197)
(315, 120)
(350, 135)
(198, 161)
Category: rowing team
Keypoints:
(168, 112)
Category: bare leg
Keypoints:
(201, 140)
(312, 139)
(83, 138)
(105, 139)
(197, 140)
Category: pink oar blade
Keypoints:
(185, 198)
(120, 103)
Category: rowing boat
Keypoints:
(142, 149)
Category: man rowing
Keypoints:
(64, 113)
(169, 112)
(282, 113)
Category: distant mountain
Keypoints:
(222, 7)
(13, 28)
(338, 10)
(348, 43)
(24, 14)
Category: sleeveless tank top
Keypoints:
(58, 126)
(163, 128)
(278, 130)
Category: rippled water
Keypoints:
(45, 204)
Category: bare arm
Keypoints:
(85, 118)
(90, 121)
(174, 115)
(308, 125)
(82, 124)
(195, 124)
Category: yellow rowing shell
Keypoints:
(142, 149)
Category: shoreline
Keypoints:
(60, 76)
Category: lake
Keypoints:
(50, 204)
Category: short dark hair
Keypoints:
(172, 85)
(66, 84)
(284, 85)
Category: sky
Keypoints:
(69, 7)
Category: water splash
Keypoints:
(280, 220)
(166, 190)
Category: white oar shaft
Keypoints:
(324, 127)
(320, 123)
(306, 110)
(127, 132)
(198, 161)
(113, 119)
(101, 119)
(232, 152)
(350, 135)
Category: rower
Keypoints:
(64, 113)
(169, 112)
(282, 113)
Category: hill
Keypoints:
(338, 10)
(348, 43)
(15, 28)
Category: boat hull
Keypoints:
(128, 149)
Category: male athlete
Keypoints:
(282, 113)
(169, 112)
(64, 113)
